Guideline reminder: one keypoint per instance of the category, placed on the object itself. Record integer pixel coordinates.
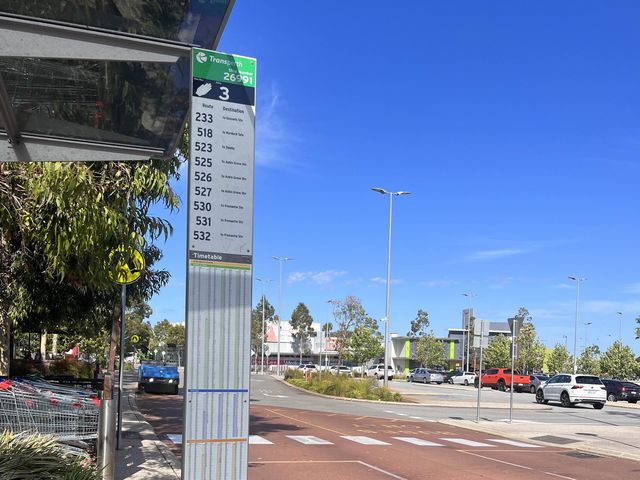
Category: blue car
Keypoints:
(158, 377)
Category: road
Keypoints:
(296, 435)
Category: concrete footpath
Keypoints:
(142, 455)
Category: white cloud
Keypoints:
(633, 288)
(274, 138)
(383, 281)
(317, 278)
(440, 283)
(563, 286)
(496, 254)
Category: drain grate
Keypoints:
(581, 455)
(553, 439)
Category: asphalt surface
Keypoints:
(297, 435)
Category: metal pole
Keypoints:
(262, 348)
(463, 369)
(620, 327)
(513, 366)
(105, 445)
(575, 335)
(123, 304)
(479, 375)
(386, 319)
(279, 316)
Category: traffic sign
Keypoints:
(127, 265)
(135, 338)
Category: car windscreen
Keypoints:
(588, 380)
(543, 378)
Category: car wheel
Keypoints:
(532, 389)
(611, 398)
(502, 386)
(466, 383)
(439, 383)
(598, 406)
(540, 397)
(565, 400)
(424, 380)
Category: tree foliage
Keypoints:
(559, 360)
(365, 343)
(638, 328)
(349, 313)
(430, 351)
(419, 325)
(301, 321)
(589, 361)
(256, 324)
(529, 349)
(619, 362)
(498, 353)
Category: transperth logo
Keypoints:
(201, 57)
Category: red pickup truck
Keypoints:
(500, 378)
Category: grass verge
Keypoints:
(341, 386)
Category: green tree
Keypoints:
(559, 360)
(257, 337)
(589, 361)
(638, 328)
(301, 321)
(365, 343)
(161, 333)
(619, 362)
(430, 351)
(529, 350)
(419, 325)
(136, 323)
(349, 313)
(498, 353)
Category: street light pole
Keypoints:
(386, 318)
(578, 280)
(280, 261)
(262, 282)
(586, 334)
(469, 296)
(620, 327)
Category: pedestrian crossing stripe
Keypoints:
(364, 440)
(309, 440)
(176, 438)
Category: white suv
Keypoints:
(571, 389)
(377, 371)
(463, 378)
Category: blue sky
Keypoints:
(514, 125)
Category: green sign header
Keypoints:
(221, 67)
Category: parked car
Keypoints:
(463, 378)
(308, 368)
(377, 371)
(571, 389)
(423, 375)
(446, 376)
(500, 378)
(410, 374)
(621, 390)
(341, 370)
(537, 380)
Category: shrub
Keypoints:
(73, 367)
(293, 373)
(343, 386)
(27, 457)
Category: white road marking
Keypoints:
(275, 396)
(309, 440)
(392, 475)
(258, 440)
(389, 411)
(560, 476)
(364, 440)
(469, 443)
(175, 438)
(513, 443)
(423, 419)
(402, 414)
(419, 441)
(506, 420)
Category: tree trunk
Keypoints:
(5, 337)
(54, 345)
(43, 345)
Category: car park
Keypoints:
(618, 390)
(463, 378)
(341, 370)
(571, 389)
(537, 380)
(423, 375)
(377, 371)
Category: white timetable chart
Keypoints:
(219, 249)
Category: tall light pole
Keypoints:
(386, 318)
(578, 280)
(565, 342)
(262, 282)
(470, 297)
(586, 334)
(620, 327)
(280, 260)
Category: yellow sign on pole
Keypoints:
(135, 338)
(127, 265)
